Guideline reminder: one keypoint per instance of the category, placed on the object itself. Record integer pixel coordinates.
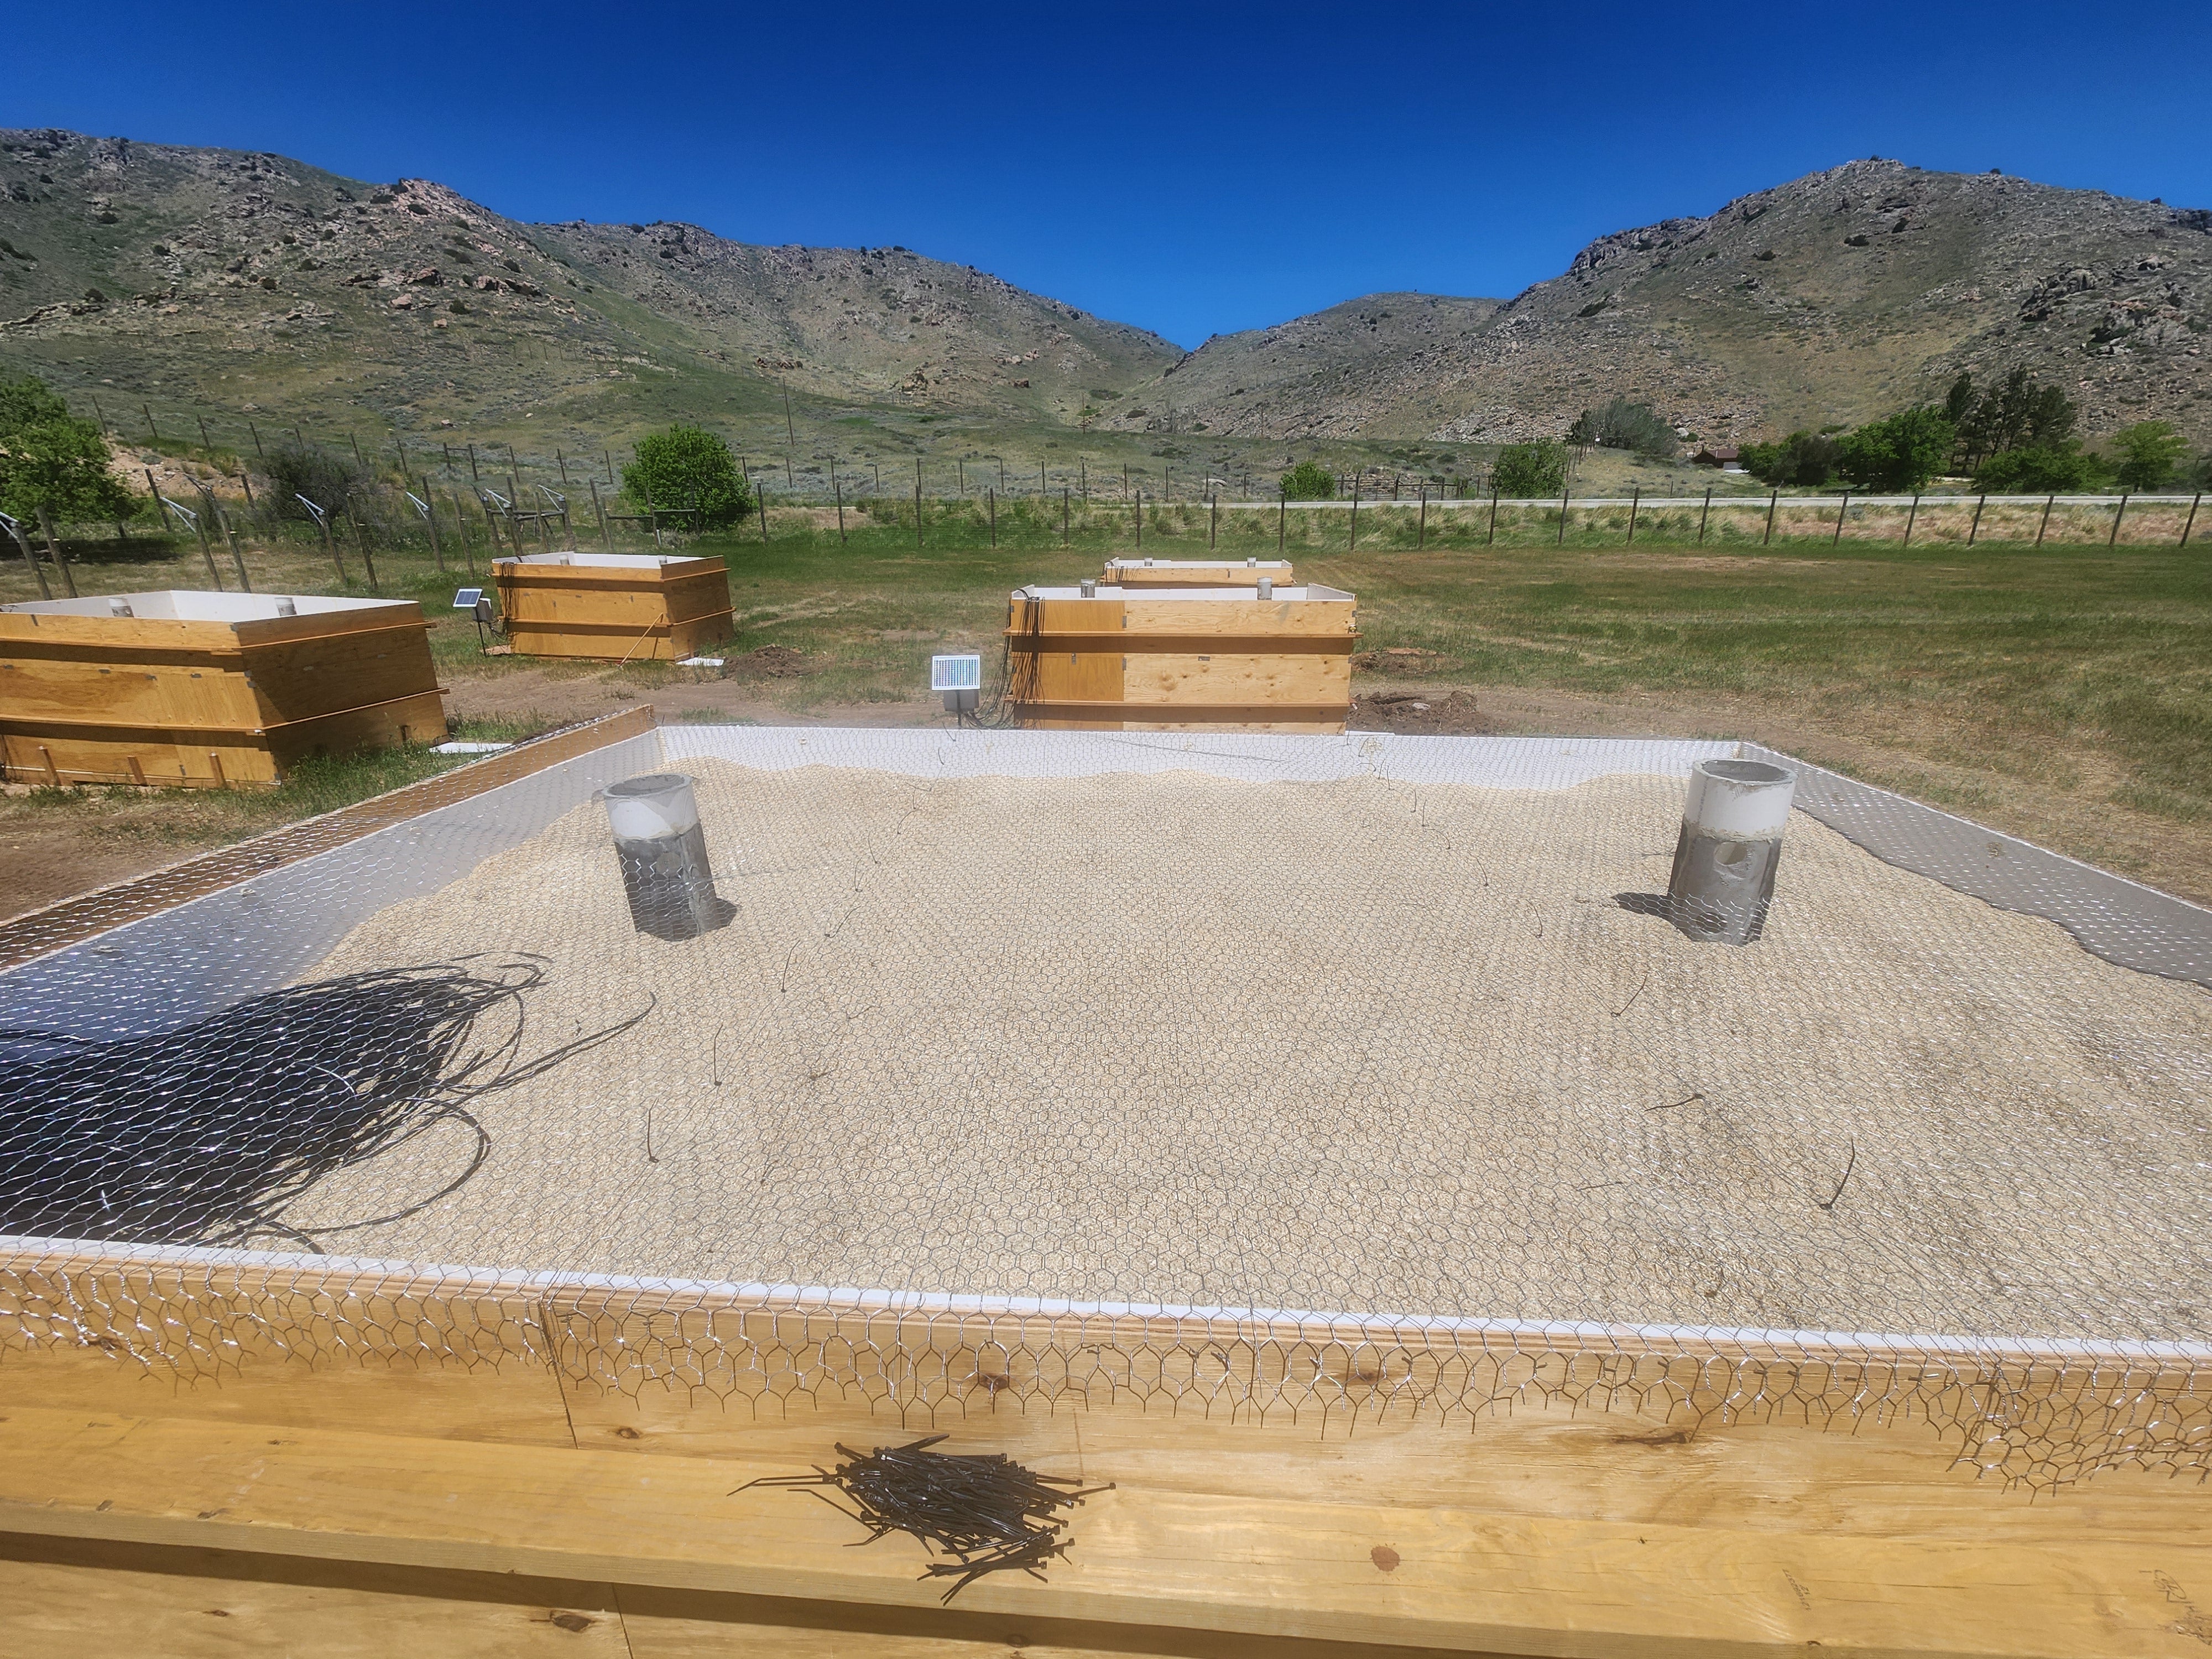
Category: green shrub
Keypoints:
(1803, 458)
(297, 469)
(1900, 453)
(1308, 481)
(1526, 471)
(686, 467)
(2052, 470)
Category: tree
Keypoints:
(1308, 481)
(1623, 425)
(28, 402)
(51, 461)
(1527, 471)
(2017, 414)
(1803, 458)
(686, 467)
(1899, 454)
(2149, 451)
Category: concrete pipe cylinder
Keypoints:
(662, 850)
(1731, 841)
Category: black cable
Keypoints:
(206, 1133)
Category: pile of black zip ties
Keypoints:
(988, 1512)
(206, 1133)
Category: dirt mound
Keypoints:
(771, 662)
(1451, 714)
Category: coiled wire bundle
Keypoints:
(205, 1134)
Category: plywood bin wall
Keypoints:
(619, 607)
(1181, 659)
(209, 688)
(1197, 572)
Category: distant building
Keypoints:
(1723, 456)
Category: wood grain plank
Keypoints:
(68, 1596)
(1455, 1578)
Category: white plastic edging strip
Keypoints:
(832, 1299)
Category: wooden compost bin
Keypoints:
(1181, 659)
(620, 607)
(1196, 573)
(209, 688)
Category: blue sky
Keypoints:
(1195, 169)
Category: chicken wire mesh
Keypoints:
(1272, 1076)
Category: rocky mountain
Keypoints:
(1836, 297)
(229, 280)
(247, 281)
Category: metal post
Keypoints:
(1141, 519)
(1213, 520)
(1282, 519)
(150, 427)
(1772, 502)
(917, 503)
(2049, 502)
(760, 501)
(1421, 530)
(1911, 518)
(1563, 517)
(991, 505)
(2113, 539)
(1635, 501)
(1355, 512)
(256, 431)
(599, 512)
(1491, 540)
(837, 488)
(1705, 514)
(2190, 523)
(54, 547)
(1975, 528)
(652, 513)
(1063, 515)
(1837, 540)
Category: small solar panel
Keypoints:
(956, 673)
(467, 598)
